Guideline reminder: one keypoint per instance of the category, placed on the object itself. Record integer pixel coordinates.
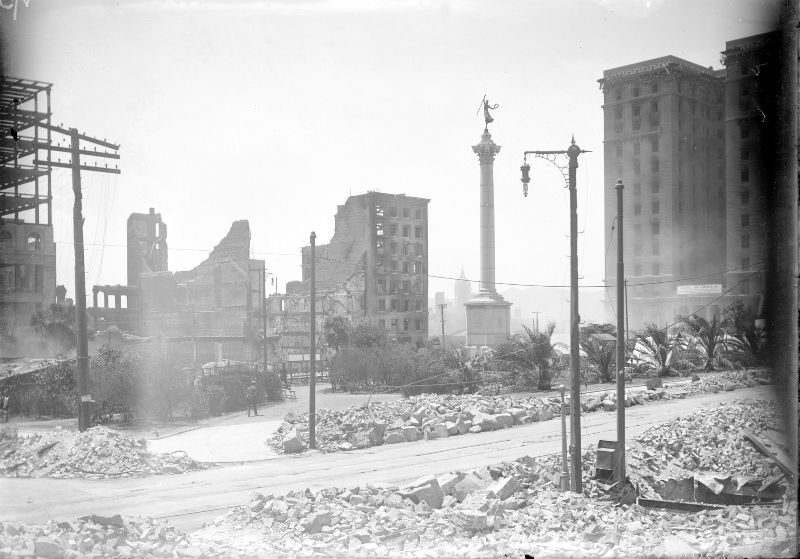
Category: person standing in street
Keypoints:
(252, 398)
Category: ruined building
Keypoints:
(211, 311)
(685, 141)
(147, 253)
(27, 248)
(372, 270)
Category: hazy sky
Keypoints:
(277, 111)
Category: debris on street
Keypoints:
(511, 508)
(97, 453)
(432, 416)
(100, 536)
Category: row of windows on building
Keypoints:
(383, 286)
(21, 278)
(402, 267)
(401, 305)
(393, 211)
(407, 249)
(392, 229)
(32, 242)
(396, 325)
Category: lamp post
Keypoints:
(568, 170)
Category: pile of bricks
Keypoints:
(432, 416)
(97, 453)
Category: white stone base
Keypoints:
(488, 320)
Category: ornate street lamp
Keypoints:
(568, 165)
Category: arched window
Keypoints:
(6, 240)
(34, 241)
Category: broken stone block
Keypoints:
(486, 422)
(393, 438)
(473, 520)
(448, 482)
(504, 420)
(292, 443)
(452, 428)
(427, 490)
(504, 488)
(468, 485)
(410, 434)
(440, 429)
(608, 405)
(546, 414)
(729, 386)
(464, 427)
(429, 435)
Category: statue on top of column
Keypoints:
(486, 106)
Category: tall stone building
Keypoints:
(378, 260)
(750, 103)
(664, 137)
(688, 142)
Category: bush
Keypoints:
(50, 392)
(273, 387)
(216, 399)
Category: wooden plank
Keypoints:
(776, 455)
(684, 506)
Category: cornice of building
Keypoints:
(656, 68)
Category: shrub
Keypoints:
(216, 399)
(273, 387)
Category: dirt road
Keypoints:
(189, 500)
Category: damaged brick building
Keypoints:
(373, 270)
(207, 313)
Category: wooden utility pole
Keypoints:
(312, 379)
(264, 320)
(82, 358)
(442, 307)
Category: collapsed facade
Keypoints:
(373, 270)
(206, 313)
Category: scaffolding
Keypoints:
(25, 183)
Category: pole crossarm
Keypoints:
(69, 165)
(81, 137)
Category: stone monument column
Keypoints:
(488, 314)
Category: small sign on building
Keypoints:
(702, 289)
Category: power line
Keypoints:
(551, 285)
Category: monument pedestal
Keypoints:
(488, 319)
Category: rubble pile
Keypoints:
(99, 536)
(432, 416)
(708, 446)
(513, 508)
(428, 416)
(97, 453)
(729, 380)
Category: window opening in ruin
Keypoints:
(6, 240)
(34, 241)
(406, 213)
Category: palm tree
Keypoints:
(600, 349)
(709, 337)
(533, 352)
(658, 350)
